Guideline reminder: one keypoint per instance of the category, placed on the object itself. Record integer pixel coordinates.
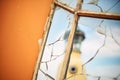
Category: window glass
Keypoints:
(55, 46)
(111, 6)
(95, 53)
(100, 51)
(70, 3)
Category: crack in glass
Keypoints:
(99, 52)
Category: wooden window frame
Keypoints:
(77, 12)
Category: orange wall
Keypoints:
(21, 25)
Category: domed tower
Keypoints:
(74, 71)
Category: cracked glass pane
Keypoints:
(111, 6)
(100, 51)
(95, 53)
(70, 3)
(55, 46)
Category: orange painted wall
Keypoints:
(21, 25)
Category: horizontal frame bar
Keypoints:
(83, 13)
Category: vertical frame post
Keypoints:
(63, 72)
(46, 31)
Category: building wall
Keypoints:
(21, 25)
